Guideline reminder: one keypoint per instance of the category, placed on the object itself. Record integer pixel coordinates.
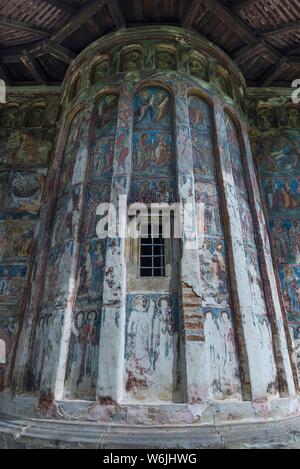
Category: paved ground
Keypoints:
(28, 433)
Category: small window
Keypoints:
(153, 255)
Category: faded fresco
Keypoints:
(218, 325)
(83, 354)
(81, 373)
(276, 143)
(8, 320)
(96, 329)
(56, 289)
(153, 147)
(212, 251)
(257, 302)
(152, 322)
(224, 373)
(27, 132)
(151, 352)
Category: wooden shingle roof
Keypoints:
(39, 38)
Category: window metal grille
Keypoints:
(152, 261)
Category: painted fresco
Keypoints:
(212, 252)
(3, 186)
(257, 302)
(277, 154)
(201, 130)
(286, 240)
(50, 343)
(153, 109)
(247, 222)
(206, 195)
(235, 156)
(131, 59)
(166, 58)
(24, 158)
(256, 284)
(103, 151)
(10, 116)
(25, 148)
(16, 238)
(153, 147)
(151, 352)
(60, 260)
(282, 195)
(103, 157)
(153, 191)
(107, 116)
(91, 270)
(43, 346)
(140, 159)
(8, 320)
(213, 271)
(224, 374)
(152, 329)
(24, 190)
(81, 373)
(96, 194)
(58, 274)
(99, 70)
(198, 65)
(295, 334)
(223, 370)
(66, 218)
(12, 281)
(290, 283)
(103, 147)
(153, 153)
(70, 153)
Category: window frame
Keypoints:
(154, 250)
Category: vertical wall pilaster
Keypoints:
(53, 374)
(192, 323)
(255, 385)
(286, 368)
(22, 372)
(112, 335)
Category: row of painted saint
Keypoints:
(81, 372)
(26, 149)
(132, 60)
(278, 158)
(151, 350)
(27, 129)
(286, 240)
(278, 154)
(269, 117)
(152, 335)
(10, 117)
(282, 194)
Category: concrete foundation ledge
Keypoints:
(23, 433)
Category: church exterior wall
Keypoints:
(27, 135)
(275, 123)
(156, 116)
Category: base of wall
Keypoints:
(27, 423)
(22, 433)
(149, 414)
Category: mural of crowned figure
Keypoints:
(151, 329)
(99, 70)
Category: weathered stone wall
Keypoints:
(157, 116)
(275, 123)
(27, 135)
